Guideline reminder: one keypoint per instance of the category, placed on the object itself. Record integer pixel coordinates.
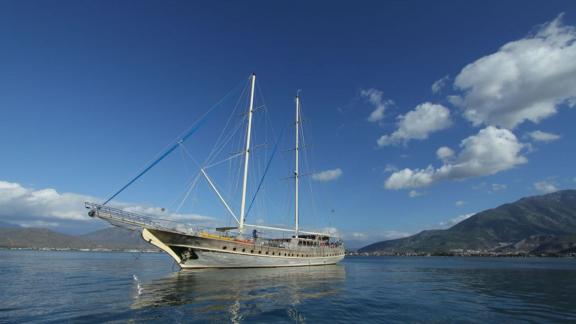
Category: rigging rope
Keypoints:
(265, 172)
(195, 127)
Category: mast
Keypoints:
(247, 152)
(296, 175)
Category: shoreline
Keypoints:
(348, 254)
(454, 254)
(78, 250)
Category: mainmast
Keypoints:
(296, 175)
(247, 153)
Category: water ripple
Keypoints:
(54, 287)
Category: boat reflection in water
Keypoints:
(233, 294)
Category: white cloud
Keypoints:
(332, 231)
(456, 220)
(541, 136)
(376, 99)
(38, 223)
(408, 178)
(460, 203)
(490, 151)
(17, 201)
(425, 119)
(374, 237)
(414, 194)
(497, 187)
(163, 213)
(545, 186)
(440, 84)
(327, 175)
(444, 153)
(49, 208)
(390, 168)
(525, 80)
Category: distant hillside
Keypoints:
(39, 238)
(8, 225)
(118, 237)
(112, 238)
(551, 214)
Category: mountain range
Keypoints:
(541, 225)
(112, 238)
(532, 225)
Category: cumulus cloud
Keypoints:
(440, 84)
(460, 203)
(490, 151)
(541, 136)
(327, 175)
(376, 99)
(425, 119)
(445, 153)
(50, 208)
(525, 80)
(545, 186)
(20, 202)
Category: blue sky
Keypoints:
(92, 90)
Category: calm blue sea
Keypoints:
(55, 287)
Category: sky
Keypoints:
(418, 114)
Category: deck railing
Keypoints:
(128, 219)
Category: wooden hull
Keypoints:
(195, 252)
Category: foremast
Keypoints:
(296, 168)
(247, 153)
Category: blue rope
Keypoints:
(192, 130)
(265, 171)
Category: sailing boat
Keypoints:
(231, 247)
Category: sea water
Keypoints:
(44, 287)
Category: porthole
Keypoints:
(273, 253)
(243, 250)
(251, 251)
(224, 248)
(266, 252)
(259, 252)
(233, 249)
